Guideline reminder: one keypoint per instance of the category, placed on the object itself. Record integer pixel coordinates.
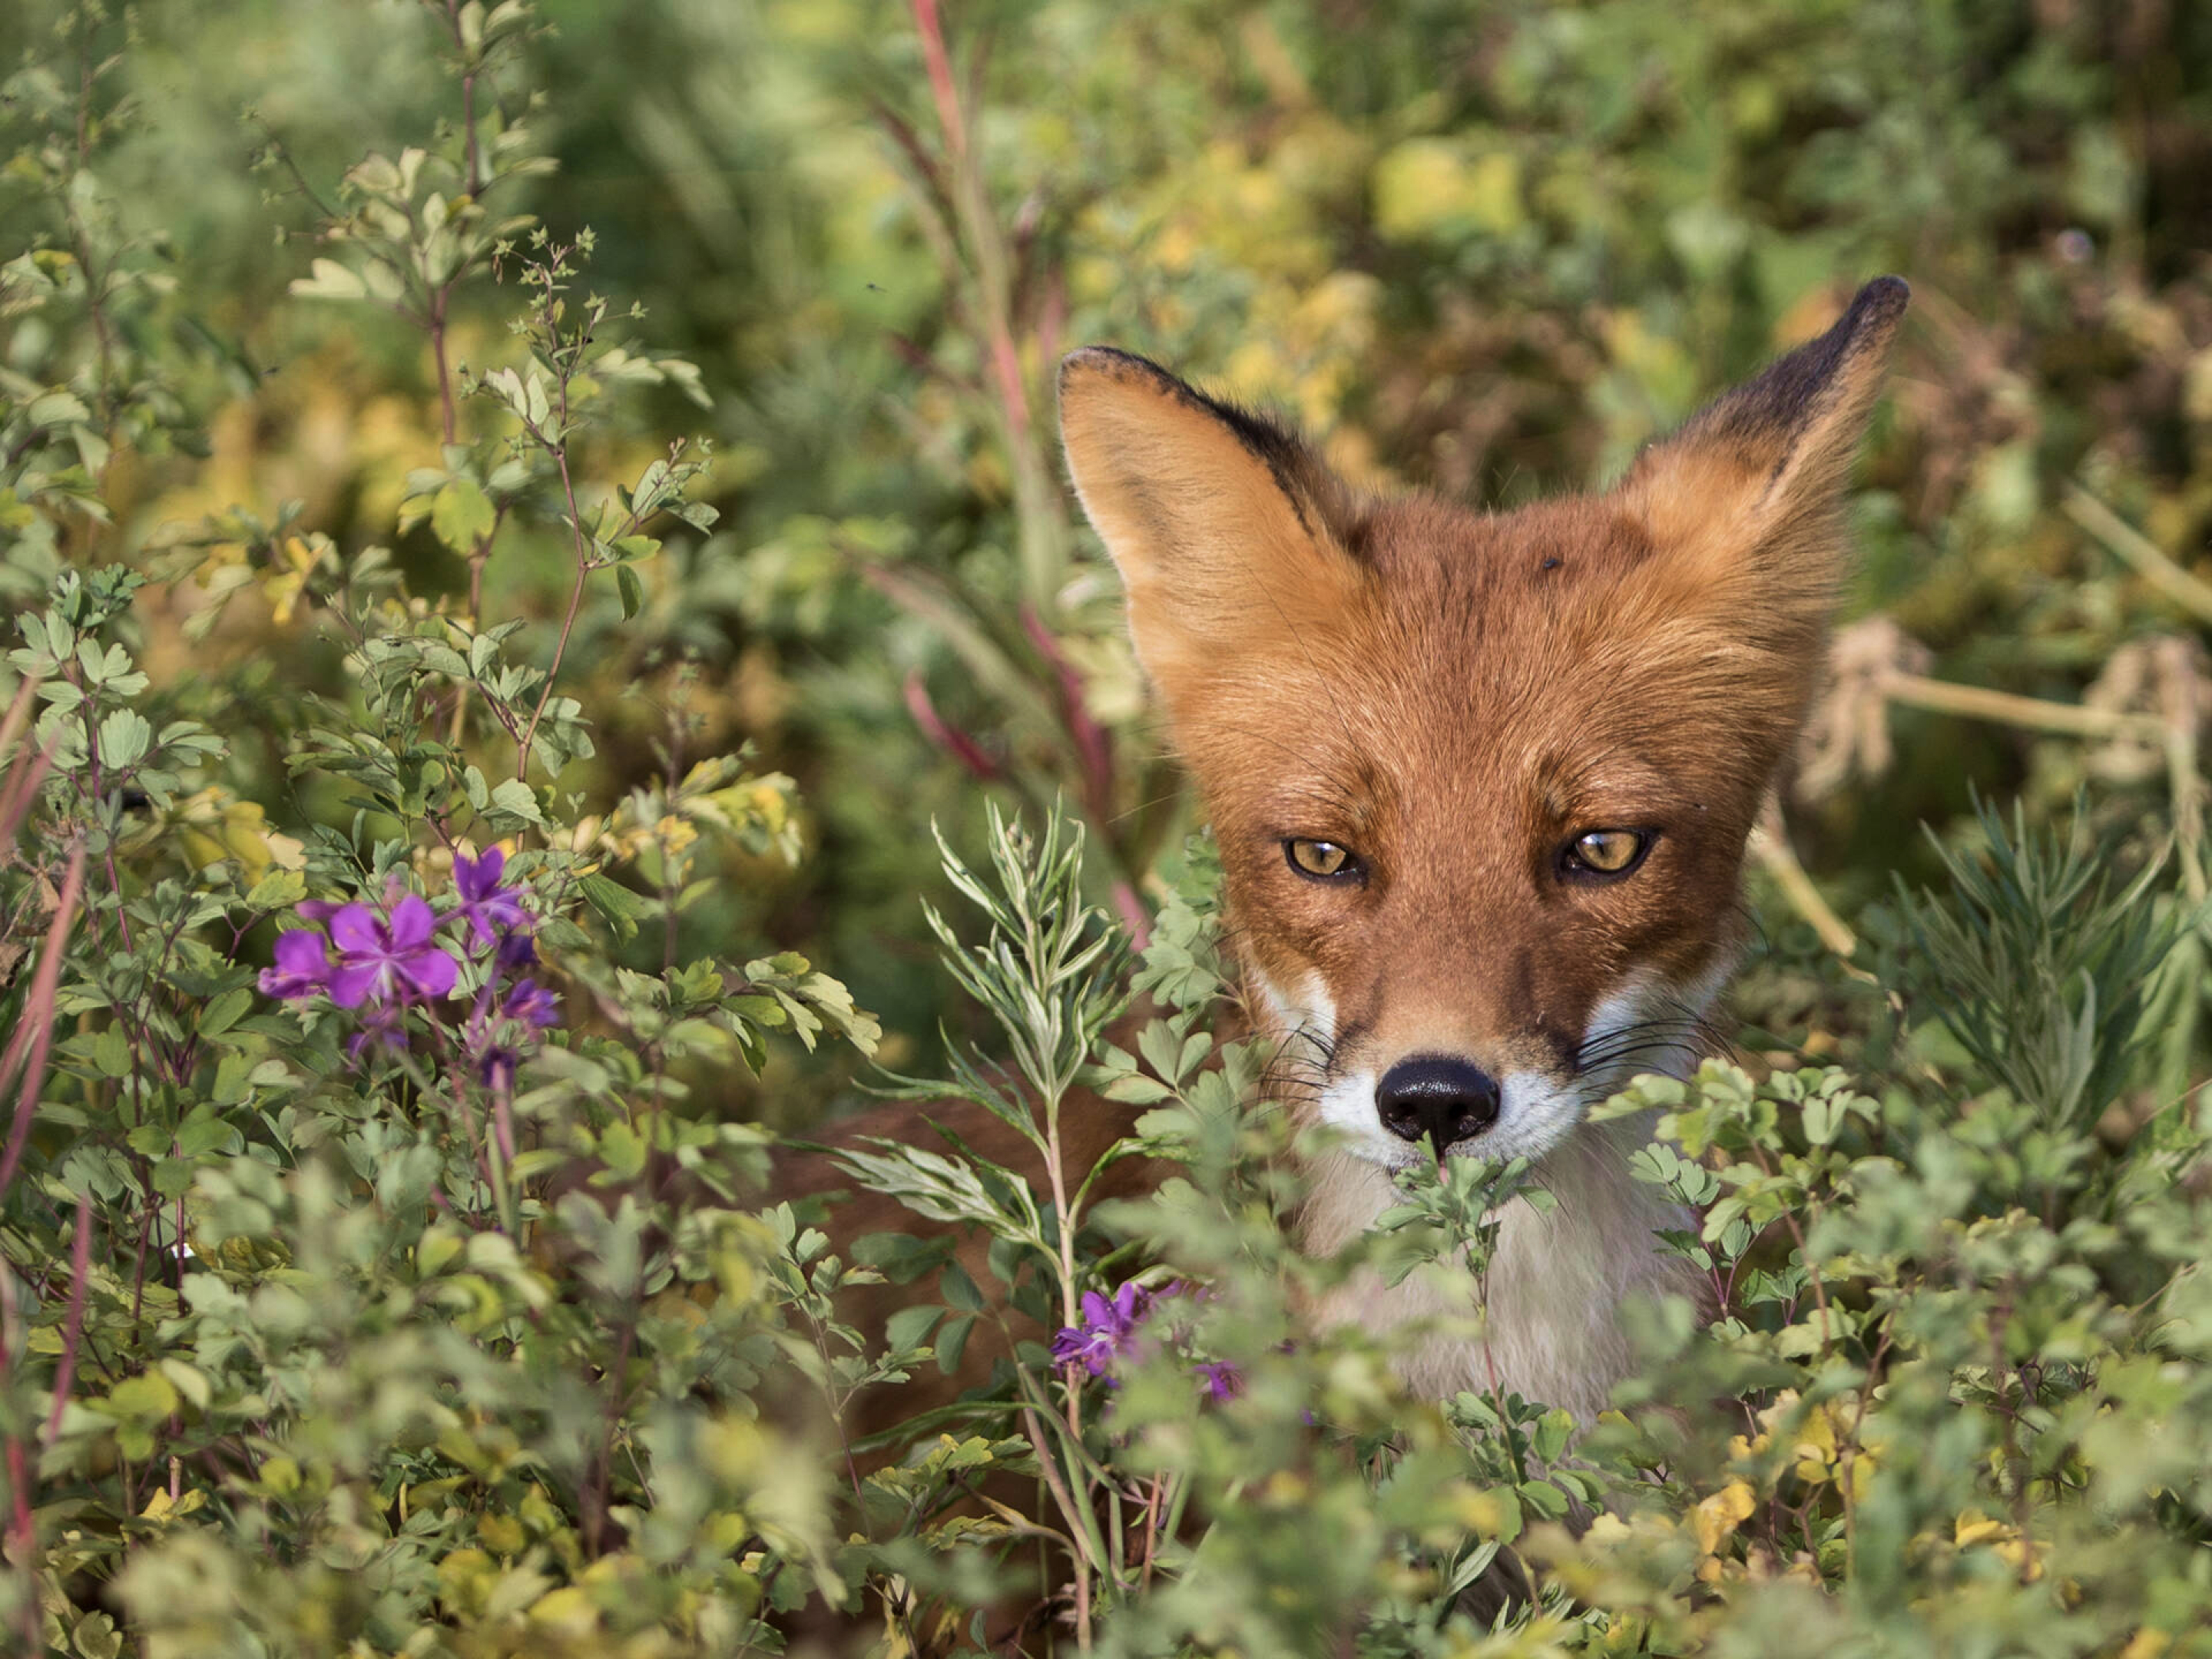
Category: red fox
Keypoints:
(1481, 785)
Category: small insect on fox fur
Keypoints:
(1482, 784)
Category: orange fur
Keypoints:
(1454, 696)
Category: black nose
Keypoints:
(1434, 1098)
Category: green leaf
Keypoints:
(200, 1132)
(330, 281)
(622, 1150)
(148, 1397)
(517, 798)
(232, 1075)
(124, 738)
(1553, 1430)
(1547, 1500)
(953, 1342)
(909, 1327)
(616, 902)
(462, 515)
(960, 1290)
(223, 1011)
(631, 589)
(111, 1052)
(279, 889)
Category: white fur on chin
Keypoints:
(1553, 1295)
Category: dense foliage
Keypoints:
(512, 544)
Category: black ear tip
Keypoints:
(1110, 364)
(1881, 301)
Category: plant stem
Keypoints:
(1041, 527)
(73, 1323)
(2037, 713)
(2139, 553)
(584, 568)
(1770, 844)
(39, 1017)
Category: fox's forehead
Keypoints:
(1484, 654)
(1421, 546)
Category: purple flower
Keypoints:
(303, 966)
(492, 911)
(377, 958)
(1221, 1380)
(380, 1028)
(515, 950)
(497, 1067)
(1107, 1332)
(532, 1004)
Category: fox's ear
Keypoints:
(1751, 486)
(1226, 528)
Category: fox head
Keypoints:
(1481, 782)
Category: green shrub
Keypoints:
(389, 1267)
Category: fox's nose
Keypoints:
(1435, 1098)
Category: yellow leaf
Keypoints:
(1972, 1527)
(1720, 1514)
(568, 1610)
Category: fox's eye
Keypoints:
(1604, 854)
(1321, 860)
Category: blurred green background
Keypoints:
(1484, 249)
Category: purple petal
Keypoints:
(478, 877)
(1221, 1379)
(533, 1004)
(352, 983)
(516, 950)
(301, 951)
(430, 971)
(412, 923)
(354, 931)
(317, 909)
(302, 966)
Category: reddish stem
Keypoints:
(1092, 748)
(947, 736)
(20, 1533)
(1134, 916)
(939, 62)
(38, 1018)
(73, 1326)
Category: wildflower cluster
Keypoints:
(390, 958)
(1132, 1324)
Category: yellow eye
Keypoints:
(1320, 858)
(1608, 851)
